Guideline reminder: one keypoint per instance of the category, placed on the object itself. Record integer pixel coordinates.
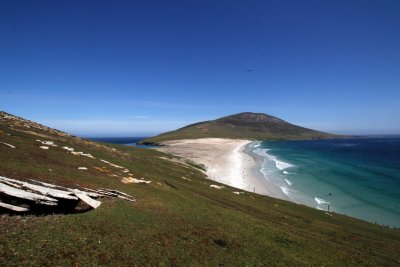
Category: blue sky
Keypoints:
(136, 68)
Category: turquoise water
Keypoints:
(357, 177)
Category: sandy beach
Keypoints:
(227, 161)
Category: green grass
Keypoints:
(174, 221)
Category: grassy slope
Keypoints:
(174, 221)
(242, 126)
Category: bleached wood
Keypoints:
(118, 192)
(85, 198)
(112, 164)
(7, 145)
(50, 191)
(93, 193)
(12, 207)
(127, 198)
(44, 190)
(47, 184)
(11, 184)
(44, 193)
(104, 192)
(2, 178)
(15, 192)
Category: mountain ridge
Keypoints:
(244, 125)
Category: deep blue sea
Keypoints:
(129, 141)
(357, 177)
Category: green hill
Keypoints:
(177, 219)
(246, 125)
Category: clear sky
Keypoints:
(135, 68)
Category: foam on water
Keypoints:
(320, 201)
(292, 194)
(281, 165)
(264, 171)
(257, 144)
(285, 190)
(288, 182)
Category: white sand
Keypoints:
(226, 162)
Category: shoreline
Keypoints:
(227, 161)
(269, 188)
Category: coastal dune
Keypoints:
(226, 161)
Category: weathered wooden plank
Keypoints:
(10, 183)
(18, 193)
(120, 194)
(104, 192)
(59, 187)
(93, 193)
(41, 189)
(112, 164)
(44, 193)
(49, 191)
(9, 180)
(47, 184)
(127, 198)
(117, 192)
(12, 207)
(7, 145)
(85, 198)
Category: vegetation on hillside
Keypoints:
(247, 125)
(177, 219)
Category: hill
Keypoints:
(177, 219)
(246, 125)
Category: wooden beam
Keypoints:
(85, 198)
(18, 193)
(40, 189)
(12, 207)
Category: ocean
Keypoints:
(129, 141)
(357, 177)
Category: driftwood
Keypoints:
(12, 207)
(19, 193)
(7, 145)
(36, 195)
(46, 191)
(84, 197)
